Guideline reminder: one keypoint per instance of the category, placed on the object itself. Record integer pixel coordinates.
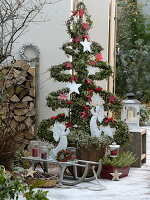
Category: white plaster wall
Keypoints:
(99, 11)
(50, 36)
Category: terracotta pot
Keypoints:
(107, 169)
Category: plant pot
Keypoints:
(107, 169)
(91, 154)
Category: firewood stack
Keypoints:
(19, 104)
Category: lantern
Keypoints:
(114, 149)
(131, 112)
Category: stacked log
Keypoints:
(19, 105)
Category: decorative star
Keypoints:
(73, 87)
(86, 45)
(63, 97)
(88, 81)
(81, 13)
(30, 172)
(115, 175)
(111, 99)
(76, 39)
(85, 26)
(76, 51)
(91, 70)
(68, 65)
(99, 57)
(108, 130)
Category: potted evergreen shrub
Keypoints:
(122, 163)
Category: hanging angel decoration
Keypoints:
(98, 115)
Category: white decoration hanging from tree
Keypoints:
(108, 130)
(59, 134)
(96, 100)
(74, 87)
(91, 70)
(86, 45)
(98, 115)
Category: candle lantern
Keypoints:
(131, 112)
(114, 149)
(44, 152)
(35, 149)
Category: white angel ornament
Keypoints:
(60, 133)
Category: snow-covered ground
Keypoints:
(134, 187)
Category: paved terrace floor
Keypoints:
(134, 187)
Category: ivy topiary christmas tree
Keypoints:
(82, 97)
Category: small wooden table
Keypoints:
(138, 147)
(71, 180)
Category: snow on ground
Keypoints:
(134, 187)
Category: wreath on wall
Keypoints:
(32, 47)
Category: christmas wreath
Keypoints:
(63, 155)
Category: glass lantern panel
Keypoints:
(131, 114)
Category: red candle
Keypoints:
(35, 152)
(44, 155)
(114, 152)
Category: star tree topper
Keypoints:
(74, 87)
(115, 175)
(86, 45)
